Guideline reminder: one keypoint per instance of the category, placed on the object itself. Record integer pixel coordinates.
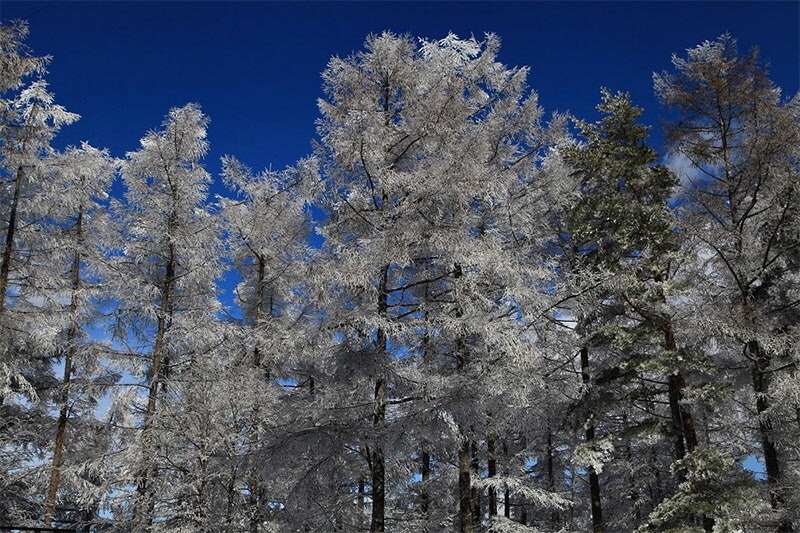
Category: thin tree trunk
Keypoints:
(464, 496)
(425, 472)
(465, 510)
(5, 266)
(360, 501)
(761, 362)
(254, 485)
(63, 415)
(378, 461)
(474, 492)
(594, 480)
(551, 480)
(491, 470)
(684, 420)
(506, 492)
(142, 518)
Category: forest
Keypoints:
(458, 313)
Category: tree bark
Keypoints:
(761, 362)
(5, 266)
(474, 492)
(63, 415)
(142, 517)
(465, 498)
(594, 480)
(425, 472)
(378, 461)
(491, 470)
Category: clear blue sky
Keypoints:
(255, 67)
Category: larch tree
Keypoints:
(742, 140)
(29, 120)
(421, 147)
(73, 240)
(164, 284)
(267, 227)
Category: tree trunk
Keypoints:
(425, 472)
(5, 266)
(474, 492)
(491, 470)
(551, 480)
(761, 362)
(506, 492)
(594, 481)
(378, 462)
(142, 517)
(63, 415)
(464, 496)
(255, 500)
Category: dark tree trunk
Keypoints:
(761, 384)
(378, 461)
(63, 415)
(491, 470)
(594, 480)
(464, 496)
(5, 266)
(476, 494)
(425, 472)
(143, 517)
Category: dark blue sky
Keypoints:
(255, 66)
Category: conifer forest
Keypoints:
(460, 312)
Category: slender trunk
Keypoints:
(464, 496)
(378, 463)
(491, 470)
(551, 479)
(63, 415)
(360, 501)
(761, 384)
(681, 416)
(506, 492)
(475, 494)
(5, 266)
(675, 415)
(231, 493)
(425, 472)
(255, 437)
(465, 510)
(594, 480)
(142, 517)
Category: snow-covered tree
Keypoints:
(73, 241)
(29, 119)
(423, 146)
(164, 284)
(742, 139)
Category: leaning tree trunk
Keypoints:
(63, 415)
(143, 516)
(5, 266)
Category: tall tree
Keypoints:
(742, 141)
(165, 283)
(422, 146)
(74, 238)
(29, 120)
